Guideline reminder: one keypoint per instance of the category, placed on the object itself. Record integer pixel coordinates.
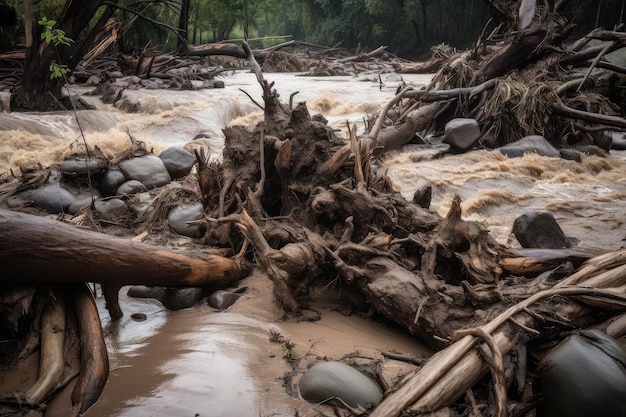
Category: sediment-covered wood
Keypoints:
(94, 360)
(35, 249)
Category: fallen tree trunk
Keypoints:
(35, 249)
(451, 372)
(94, 360)
(51, 351)
(31, 245)
(228, 49)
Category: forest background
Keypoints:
(409, 28)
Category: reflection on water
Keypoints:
(181, 363)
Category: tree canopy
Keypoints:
(409, 28)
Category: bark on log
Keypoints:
(451, 372)
(94, 360)
(395, 136)
(35, 249)
(228, 49)
(51, 352)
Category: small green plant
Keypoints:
(56, 37)
(288, 353)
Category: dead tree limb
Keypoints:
(31, 245)
(94, 360)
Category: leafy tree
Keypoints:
(39, 91)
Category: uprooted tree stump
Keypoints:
(312, 208)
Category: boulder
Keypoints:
(171, 298)
(533, 144)
(512, 152)
(110, 182)
(111, 210)
(540, 230)
(222, 299)
(461, 134)
(584, 375)
(178, 218)
(178, 161)
(333, 379)
(149, 170)
(51, 198)
(570, 154)
(592, 150)
(76, 167)
(131, 187)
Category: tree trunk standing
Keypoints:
(29, 22)
(195, 25)
(183, 26)
(38, 91)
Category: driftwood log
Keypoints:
(28, 245)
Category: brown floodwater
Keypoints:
(203, 362)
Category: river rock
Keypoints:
(337, 380)
(93, 80)
(112, 210)
(178, 161)
(592, 150)
(533, 143)
(110, 182)
(143, 291)
(171, 298)
(83, 199)
(512, 152)
(222, 299)
(75, 167)
(51, 198)
(570, 155)
(178, 218)
(179, 298)
(540, 230)
(131, 187)
(149, 170)
(584, 375)
(461, 133)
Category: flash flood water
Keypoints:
(200, 362)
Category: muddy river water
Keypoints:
(202, 362)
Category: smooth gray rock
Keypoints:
(51, 198)
(131, 187)
(533, 143)
(171, 298)
(81, 201)
(149, 170)
(222, 299)
(511, 152)
(461, 134)
(570, 154)
(178, 218)
(75, 167)
(112, 210)
(584, 375)
(592, 150)
(110, 182)
(337, 380)
(540, 230)
(178, 161)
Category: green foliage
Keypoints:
(55, 37)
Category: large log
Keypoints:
(35, 249)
